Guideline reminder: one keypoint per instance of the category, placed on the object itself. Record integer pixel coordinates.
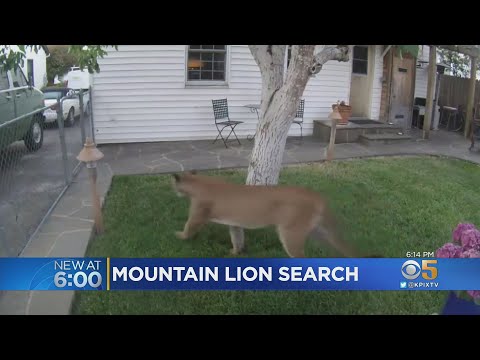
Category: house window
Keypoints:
(206, 63)
(360, 59)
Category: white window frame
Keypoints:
(208, 83)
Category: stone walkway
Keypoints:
(69, 228)
(151, 158)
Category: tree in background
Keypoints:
(86, 55)
(59, 62)
(458, 63)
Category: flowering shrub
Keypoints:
(466, 244)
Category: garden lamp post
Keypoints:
(90, 155)
(335, 116)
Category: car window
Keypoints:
(18, 78)
(3, 80)
(53, 94)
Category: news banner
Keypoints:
(116, 274)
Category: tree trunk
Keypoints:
(470, 50)
(272, 131)
(281, 94)
(279, 103)
(280, 99)
(270, 59)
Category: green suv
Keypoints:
(17, 98)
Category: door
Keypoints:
(361, 81)
(7, 112)
(402, 90)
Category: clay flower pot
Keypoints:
(345, 112)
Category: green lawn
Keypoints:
(387, 206)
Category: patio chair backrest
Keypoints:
(220, 109)
(300, 110)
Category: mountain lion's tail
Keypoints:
(327, 229)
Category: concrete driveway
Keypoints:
(30, 183)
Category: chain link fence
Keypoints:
(37, 164)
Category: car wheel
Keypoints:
(34, 138)
(70, 120)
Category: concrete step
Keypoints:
(384, 138)
(350, 132)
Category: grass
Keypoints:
(388, 206)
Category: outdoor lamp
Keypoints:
(335, 114)
(90, 155)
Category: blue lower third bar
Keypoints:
(424, 274)
(53, 273)
(294, 274)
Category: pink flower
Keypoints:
(474, 294)
(470, 239)
(470, 253)
(460, 229)
(449, 250)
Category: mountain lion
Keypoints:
(296, 212)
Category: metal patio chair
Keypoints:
(220, 111)
(299, 115)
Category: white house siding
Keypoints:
(377, 84)
(39, 65)
(140, 95)
(421, 77)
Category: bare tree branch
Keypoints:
(263, 56)
(267, 56)
(299, 68)
(270, 60)
(329, 52)
(259, 53)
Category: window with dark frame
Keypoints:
(360, 59)
(206, 63)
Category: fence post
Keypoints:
(471, 96)
(90, 93)
(432, 71)
(61, 132)
(82, 122)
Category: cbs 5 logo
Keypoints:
(411, 269)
